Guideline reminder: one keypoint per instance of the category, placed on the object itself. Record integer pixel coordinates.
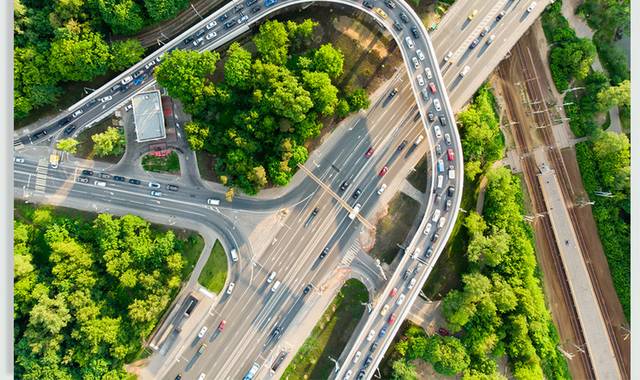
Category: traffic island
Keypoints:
(214, 272)
(163, 161)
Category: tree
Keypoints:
(125, 54)
(229, 194)
(186, 76)
(79, 56)
(109, 142)
(300, 33)
(68, 145)
(447, 355)
(571, 60)
(342, 108)
(122, 16)
(329, 60)
(197, 134)
(323, 93)
(258, 177)
(237, 68)
(619, 95)
(272, 42)
(612, 153)
(34, 83)
(160, 10)
(403, 371)
(358, 100)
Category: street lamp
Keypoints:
(337, 368)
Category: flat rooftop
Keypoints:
(148, 117)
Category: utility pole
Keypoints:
(337, 364)
(195, 10)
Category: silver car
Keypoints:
(436, 103)
(420, 54)
(416, 64)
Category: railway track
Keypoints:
(543, 118)
(530, 170)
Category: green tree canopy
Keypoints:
(79, 56)
(109, 142)
(125, 54)
(272, 42)
(68, 145)
(619, 95)
(329, 60)
(612, 153)
(237, 68)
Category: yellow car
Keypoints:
(473, 14)
(380, 12)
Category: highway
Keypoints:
(296, 249)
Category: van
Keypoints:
(271, 277)
(275, 286)
(436, 215)
(234, 255)
(440, 181)
(356, 210)
(213, 202)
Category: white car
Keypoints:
(420, 54)
(531, 7)
(416, 64)
(400, 300)
(436, 103)
(19, 160)
(106, 98)
(372, 333)
(427, 229)
(356, 357)
(428, 72)
(384, 310)
(409, 42)
(448, 56)
(202, 376)
(347, 376)
(382, 189)
(491, 38)
(198, 41)
(77, 113)
(437, 131)
(411, 283)
(211, 25)
(128, 107)
(465, 71)
(230, 288)
(211, 35)
(420, 80)
(203, 331)
(154, 185)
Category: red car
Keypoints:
(221, 325)
(393, 293)
(384, 171)
(392, 318)
(369, 152)
(432, 87)
(450, 154)
(443, 332)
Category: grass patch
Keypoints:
(191, 249)
(419, 177)
(214, 273)
(168, 164)
(330, 335)
(446, 273)
(85, 144)
(393, 228)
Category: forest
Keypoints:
(87, 293)
(64, 41)
(500, 309)
(257, 119)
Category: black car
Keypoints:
(450, 191)
(200, 33)
(223, 17)
(315, 211)
(474, 43)
(402, 145)
(83, 179)
(406, 274)
(428, 253)
(64, 121)
(356, 193)
(393, 92)
(485, 31)
(414, 31)
(172, 187)
(250, 2)
(368, 361)
(390, 4)
(500, 15)
(324, 253)
(431, 117)
(188, 40)
(105, 175)
(255, 9)
(374, 346)
(367, 4)
(238, 8)
(134, 181)
(229, 24)
(403, 17)
(443, 120)
(397, 26)
(178, 377)
(118, 178)
(344, 185)
(434, 237)
(307, 289)
(90, 103)
(69, 130)
(361, 374)
(87, 172)
(39, 134)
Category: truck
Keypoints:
(54, 159)
(252, 372)
(356, 210)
